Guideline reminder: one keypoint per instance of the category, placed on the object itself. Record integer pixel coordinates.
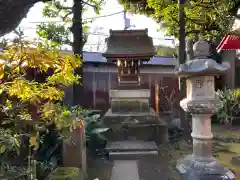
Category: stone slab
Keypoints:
(133, 93)
(131, 150)
(153, 168)
(131, 146)
(136, 155)
(149, 168)
(134, 117)
(125, 170)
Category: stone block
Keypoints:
(139, 126)
(74, 150)
(133, 93)
(129, 105)
(201, 88)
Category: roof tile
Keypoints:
(129, 42)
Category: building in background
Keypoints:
(228, 47)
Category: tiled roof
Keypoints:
(229, 42)
(129, 42)
(155, 60)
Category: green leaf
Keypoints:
(1, 90)
(66, 113)
(95, 117)
(99, 130)
(205, 18)
(7, 122)
(2, 149)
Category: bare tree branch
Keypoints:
(58, 6)
(91, 5)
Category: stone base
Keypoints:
(193, 168)
(138, 126)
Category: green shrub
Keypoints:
(29, 104)
(66, 173)
(94, 129)
(230, 100)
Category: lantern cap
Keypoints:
(201, 65)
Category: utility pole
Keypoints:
(182, 58)
(77, 49)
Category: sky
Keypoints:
(101, 25)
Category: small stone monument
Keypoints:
(201, 102)
(130, 116)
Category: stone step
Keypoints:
(131, 150)
(131, 145)
(132, 155)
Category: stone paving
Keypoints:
(125, 170)
(148, 169)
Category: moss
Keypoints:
(225, 158)
(66, 173)
(224, 132)
(223, 152)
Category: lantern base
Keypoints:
(197, 168)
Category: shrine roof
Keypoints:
(129, 43)
(91, 57)
(229, 42)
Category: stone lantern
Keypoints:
(201, 102)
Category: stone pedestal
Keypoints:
(131, 118)
(201, 102)
(136, 130)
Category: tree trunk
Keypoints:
(189, 49)
(182, 57)
(77, 49)
(12, 12)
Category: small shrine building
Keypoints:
(129, 56)
(126, 67)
